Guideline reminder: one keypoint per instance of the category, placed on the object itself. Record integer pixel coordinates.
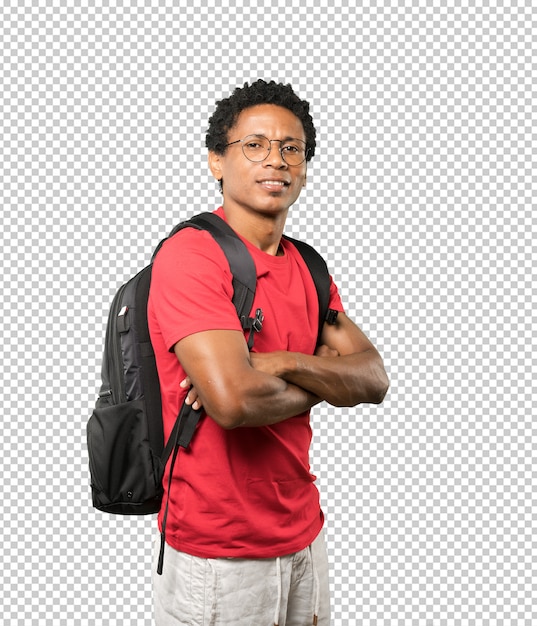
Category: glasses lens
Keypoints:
(256, 147)
(293, 152)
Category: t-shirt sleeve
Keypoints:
(335, 299)
(191, 287)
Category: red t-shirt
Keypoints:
(246, 492)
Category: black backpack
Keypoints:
(125, 432)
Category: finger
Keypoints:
(192, 399)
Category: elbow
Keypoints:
(241, 402)
(379, 385)
(372, 389)
(228, 413)
(380, 390)
(224, 421)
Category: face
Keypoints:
(270, 186)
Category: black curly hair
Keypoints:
(260, 92)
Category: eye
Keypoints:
(291, 148)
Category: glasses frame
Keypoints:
(281, 141)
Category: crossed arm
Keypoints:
(239, 388)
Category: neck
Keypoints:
(261, 230)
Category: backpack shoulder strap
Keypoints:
(321, 277)
(244, 283)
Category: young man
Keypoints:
(244, 528)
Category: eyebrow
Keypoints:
(282, 140)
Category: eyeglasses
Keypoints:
(256, 148)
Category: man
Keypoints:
(244, 528)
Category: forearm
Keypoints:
(272, 402)
(253, 399)
(340, 380)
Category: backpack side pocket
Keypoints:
(125, 472)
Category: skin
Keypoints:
(236, 386)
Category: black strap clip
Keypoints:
(255, 324)
(331, 317)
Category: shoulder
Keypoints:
(189, 239)
(190, 280)
(315, 265)
(306, 256)
(190, 248)
(302, 249)
(191, 262)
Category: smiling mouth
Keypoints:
(275, 184)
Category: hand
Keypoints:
(325, 351)
(192, 397)
(273, 363)
(279, 362)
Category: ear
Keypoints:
(215, 164)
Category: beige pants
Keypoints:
(288, 591)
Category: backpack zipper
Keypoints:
(117, 380)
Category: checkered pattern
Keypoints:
(422, 199)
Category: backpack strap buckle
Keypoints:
(255, 324)
(331, 317)
(257, 321)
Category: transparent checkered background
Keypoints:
(421, 198)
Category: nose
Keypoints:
(274, 157)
